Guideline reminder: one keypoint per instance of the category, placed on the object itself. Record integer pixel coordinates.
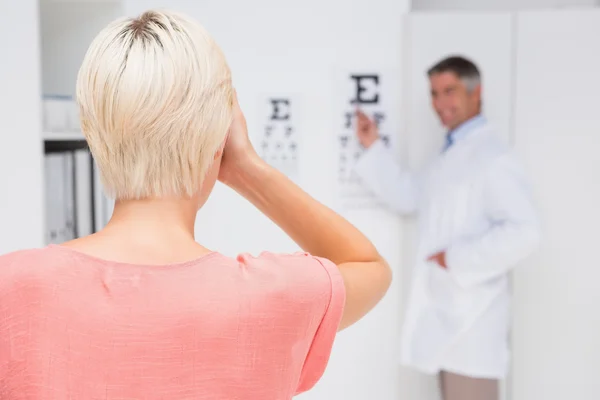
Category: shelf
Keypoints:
(62, 136)
(117, 2)
(64, 146)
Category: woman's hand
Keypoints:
(238, 152)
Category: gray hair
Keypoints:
(465, 69)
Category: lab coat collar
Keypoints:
(464, 130)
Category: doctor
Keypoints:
(476, 222)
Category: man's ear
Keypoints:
(477, 91)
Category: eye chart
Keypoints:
(279, 145)
(376, 94)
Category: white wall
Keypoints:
(429, 38)
(67, 29)
(556, 336)
(21, 202)
(497, 5)
(295, 47)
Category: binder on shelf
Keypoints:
(83, 193)
(55, 216)
(70, 191)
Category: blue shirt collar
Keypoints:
(464, 129)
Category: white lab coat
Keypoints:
(473, 202)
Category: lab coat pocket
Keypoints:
(444, 293)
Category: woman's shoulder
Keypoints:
(298, 262)
(19, 264)
(9, 259)
(300, 270)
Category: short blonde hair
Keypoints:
(155, 100)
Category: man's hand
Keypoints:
(439, 259)
(366, 130)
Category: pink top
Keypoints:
(73, 326)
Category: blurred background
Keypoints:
(540, 61)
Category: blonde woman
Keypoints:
(140, 310)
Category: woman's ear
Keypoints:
(219, 153)
(221, 149)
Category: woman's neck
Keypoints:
(155, 218)
(146, 232)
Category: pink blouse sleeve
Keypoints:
(322, 343)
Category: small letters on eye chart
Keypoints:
(373, 92)
(279, 145)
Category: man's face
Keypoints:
(451, 100)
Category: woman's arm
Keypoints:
(317, 229)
